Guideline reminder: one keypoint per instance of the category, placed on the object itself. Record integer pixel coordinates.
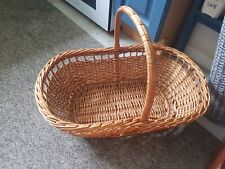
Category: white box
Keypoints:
(213, 8)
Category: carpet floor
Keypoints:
(31, 32)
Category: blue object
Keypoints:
(195, 16)
(151, 12)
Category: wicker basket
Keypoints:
(119, 91)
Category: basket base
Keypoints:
(111, 101)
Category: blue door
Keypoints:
(152, 13)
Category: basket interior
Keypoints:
(95, 87)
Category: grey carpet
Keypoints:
(31, 32)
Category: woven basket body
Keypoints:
(120, 91)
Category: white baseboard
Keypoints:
(102, 36)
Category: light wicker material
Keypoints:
(119, 91)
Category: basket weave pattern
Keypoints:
(120, 91)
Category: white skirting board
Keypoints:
(199, 57)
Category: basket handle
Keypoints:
(149, 52)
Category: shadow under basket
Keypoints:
(119, 91)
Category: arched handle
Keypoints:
(149, 52)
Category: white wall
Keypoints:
(202, 44)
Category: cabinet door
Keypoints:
(152, 13)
